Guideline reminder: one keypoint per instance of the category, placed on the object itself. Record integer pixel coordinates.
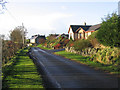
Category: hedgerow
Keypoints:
(81, 44)
(109, 33)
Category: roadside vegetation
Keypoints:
(109, 33)
(53, 42)
(113, 69)
(16, 42)
(43, 47)
(18, 70)
(21, 72)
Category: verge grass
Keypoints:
(45, 48)
(21, 73)
(86, 60)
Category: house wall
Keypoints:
(32, 40)
(75, 35)
(71, 34)
(86, 35)
(89, 33)
(81, 34)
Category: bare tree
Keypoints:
(2, 6)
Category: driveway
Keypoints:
(64, 73)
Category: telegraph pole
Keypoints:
(23, 33)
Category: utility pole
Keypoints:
(23, 33)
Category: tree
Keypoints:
(2, 3)
(109, 33)
(18, 35)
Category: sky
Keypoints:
(53, 16)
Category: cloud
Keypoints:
(64, 7)
(64, 1)
(45, 22)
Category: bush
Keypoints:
(70, 43)
(65, 42)
(81, 44)
(109, 33)
(93, 40)
(107, 56)
(57, 46)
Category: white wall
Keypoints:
(32, 40)
(89, 33)
(70, 34)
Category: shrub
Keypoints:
(65, 42)
(107, 56)
(57, 46)
(81, 44)
(93, 40)
(70, 43)
(109, 33)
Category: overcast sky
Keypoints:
(55, 16)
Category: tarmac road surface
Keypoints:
(64, 73)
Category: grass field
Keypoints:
(86, 60)
(45, 48)
(21, 73)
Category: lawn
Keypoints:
(86, 60)
(45, 48)
(21, 73)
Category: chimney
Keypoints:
(85, 23)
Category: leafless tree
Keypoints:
(2, 6)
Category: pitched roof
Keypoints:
(85, 27)
(94, 27)
(76, 27)
(36, 36)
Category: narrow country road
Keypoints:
(64, 73)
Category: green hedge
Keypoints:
(81, 44)
(109, 33)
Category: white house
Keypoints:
(81, 31)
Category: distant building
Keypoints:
(54, 35)
(37, 39)
(81, 31)
(63, 35)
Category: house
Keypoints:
(81, 31)
(53, 35)
(63, 35)
(37, 39)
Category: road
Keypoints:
(64, 73)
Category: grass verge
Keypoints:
(45, 48)
(21, 73)
(86, 60)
